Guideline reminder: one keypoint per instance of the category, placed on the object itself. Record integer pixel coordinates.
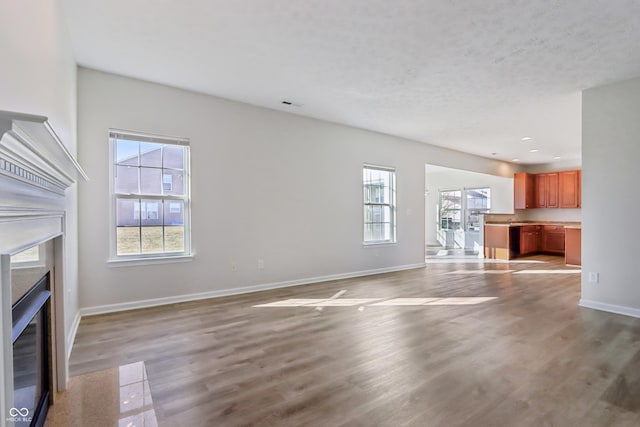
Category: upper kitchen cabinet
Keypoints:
(569, 189)
(547, 190)
(523, 191)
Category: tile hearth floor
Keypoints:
(111, 397)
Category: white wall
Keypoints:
(265, 185)
(438, 178)
(610, 153)
(38, 76)
(550, 214)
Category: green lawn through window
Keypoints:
(128, 239)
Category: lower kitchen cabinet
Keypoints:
(553, 239)
(529, 239)
(573, 246)
(507, 241)
(497, 242)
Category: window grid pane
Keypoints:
(150, 225)
(379, 204)
(451, 210)
(478, 203)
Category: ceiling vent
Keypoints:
(290, 104)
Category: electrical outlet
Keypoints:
(260, 263)
(594, 277)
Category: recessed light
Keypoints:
(556, 158)
(494, 154)
(526, 138)
(515, 160)
(533, 150)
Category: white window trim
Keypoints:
(393, 207)
(463, 203)
(133, 262)
(36, 263)
(154, 258)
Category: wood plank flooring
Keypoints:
(530, 357)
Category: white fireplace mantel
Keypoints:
(36, 169)
(31, 152)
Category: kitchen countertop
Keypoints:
(565, 224)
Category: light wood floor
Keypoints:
(531, 357)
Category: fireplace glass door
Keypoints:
(31, 356)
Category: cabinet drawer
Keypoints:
(552, 228)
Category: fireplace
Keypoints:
(37, 173)
(31, 361)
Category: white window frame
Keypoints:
(392, 205)
(148, 258)
(460, 210)
(466, 203)
(464, 208)
(17, 263)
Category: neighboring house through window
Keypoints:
(379, 189)
(460, 209)
(150, 196)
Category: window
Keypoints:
(473, 202)
(451, 210)
(478, 203)
(167, 182)
(379, 188)
(150, 196)
(29, 258)
(31, 255)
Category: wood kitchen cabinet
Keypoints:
(523, 191)
(497, 242)
(529, 239)
(569, 189)
(553, 239)
(573, 246)
(507, 241)
(546, 190)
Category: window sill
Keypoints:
(134, 262)
(25, 265)
(378, 244)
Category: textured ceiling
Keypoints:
(474, 76)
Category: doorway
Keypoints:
(455, 201)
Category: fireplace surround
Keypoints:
(36, 176)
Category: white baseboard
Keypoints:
(611, 308)
(111, 308)
(71, 337)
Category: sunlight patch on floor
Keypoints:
(514, 272)
(548, 272)
(405, 301)
(461, 301)
(480, 261)
(344, 302)
(350, 302)
(480, 272)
